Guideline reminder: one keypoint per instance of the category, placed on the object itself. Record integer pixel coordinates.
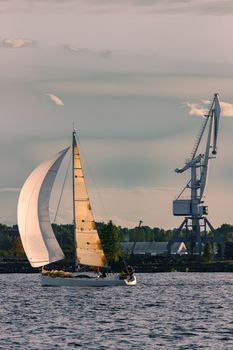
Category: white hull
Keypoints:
(85, 282)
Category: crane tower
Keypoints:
(195, 226)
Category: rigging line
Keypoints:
(92, 179)
(62, 190)
(186, 186)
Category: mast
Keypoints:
(74, 221)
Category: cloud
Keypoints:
(227, 109)
(195, 109)
(104, 53)
(136, 189)
(138, 84)
(102, 7)
(16, 43)
(199, 110)
(55, 99)
(76, 50)
(198, 7)
(84, 51)
(9, 189)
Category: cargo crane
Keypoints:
(193, 229)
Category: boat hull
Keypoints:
(84, 282)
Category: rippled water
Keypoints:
(164, 311)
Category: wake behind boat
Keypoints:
(38, 239)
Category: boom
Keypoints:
(202, 159)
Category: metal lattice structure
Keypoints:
(195, 226)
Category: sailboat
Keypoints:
(38, 238)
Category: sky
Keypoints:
(132, 76)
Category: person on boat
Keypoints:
(130, 272)
(122, 275)
(103, 274)
(97, 271)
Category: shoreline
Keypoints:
(140, 267)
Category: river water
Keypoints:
(164, 311)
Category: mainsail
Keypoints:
(38, 239)
(88, 246)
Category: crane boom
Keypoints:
(211, 144)
(217, 112)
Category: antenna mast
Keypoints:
(73, 189)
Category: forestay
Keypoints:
(89, 250)
(38, 239)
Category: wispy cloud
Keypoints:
(84, 51)
(121, 83)
(9, 189)
(17, 43)
(104, 53)
(199, 7)
(227, 109)
(199, 109)
(136, 189)
(76, 50)
(56, 100)
(196, 109)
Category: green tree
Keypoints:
(18, 247)
(65, 238)
(110, 239)
(208, 254)
(6, 243)
(226, 232)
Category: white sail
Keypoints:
(38, 239)
(88, 246)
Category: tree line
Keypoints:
(110, 235)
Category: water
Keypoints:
(164, 311)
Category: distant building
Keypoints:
(152, 248)
(127, 247)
